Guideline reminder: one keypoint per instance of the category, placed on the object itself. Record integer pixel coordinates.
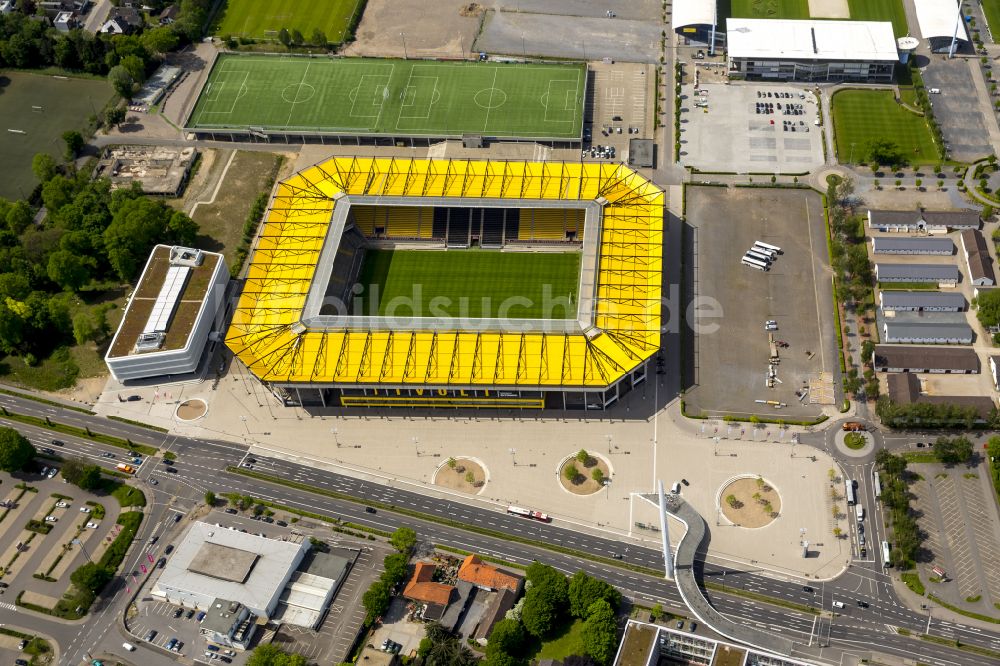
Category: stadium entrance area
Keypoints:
(260, 96)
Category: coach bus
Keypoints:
(849, 488)
(770, 254)
(759, 256)
(755, 263)
(767, 246)
(877, 482)
(528, 513)
(886, 562)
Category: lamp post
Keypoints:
(403, 37)
(513, 459)
(609, 443)
(80, 544)
(416, 445)
(335, 438)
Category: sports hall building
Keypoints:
(296, 330)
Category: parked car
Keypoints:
(281, 523)
(150, 635)
(153, 539)
(52, 472)
(201, 617)
(92, 525)
(169, 549)
(84, 509)
(56, 442)
(680, 624)
(62, 505)
(51, 519)
(178, 613)
(173, 641)
(171, 470)
(212, 648)
(231, 511)
(189, 614)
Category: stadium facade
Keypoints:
(292, 331)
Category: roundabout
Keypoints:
(854, 444)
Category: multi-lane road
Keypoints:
(201, 465)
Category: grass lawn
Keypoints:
(262, 19)
(221, 223)
(769, 9)
(991, 8)
(363, 95)
(862, 115)
(475, 282)
(880, 10)
(566, 641)
(63, 104)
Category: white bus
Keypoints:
(755, 263)
(759, 256)
(886, 562)
(770, 254)
(849, 489)
(767, 246)
(877, 483)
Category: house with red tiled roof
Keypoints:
(487, 576)
(421, 587)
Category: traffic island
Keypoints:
(856, 444)
(462, 474)
(750, 502)
(584, 473)
(191, 410)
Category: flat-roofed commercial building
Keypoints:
(904, 245)
(930, 333)
(940, 23)
(921, 301)
(787, 50)
(923, 220)
(175, 306)
(695, 20)
(935, 360)
(939, 273)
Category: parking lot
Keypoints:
(332, 641)
(959, 519)
(957, 109)
(617, 108)
(739, 129)
(731, 350)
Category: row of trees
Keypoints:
(377, 598)
(272, 655)
(933, 415)
(906, 537)
(987, 306)
(551, 598)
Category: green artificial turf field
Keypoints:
(35, 109)
(262, 19)
(862, 115)
(467, 277)
(398, 97)
(770, 9)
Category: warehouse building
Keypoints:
(939, 273)
(696, 21)
(903, 245)
(921, 301)
(941, 25)
(908, 221)
(927, 333)
(935, 360)
(787, 50)
(977, 258)
(176, 304)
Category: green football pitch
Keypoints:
(476, 284)
(862, 115)
(394, 97)
(262, 19)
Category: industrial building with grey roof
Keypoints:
(936, 360)
(929, 333)
(896, 300)
(946, 273)
(926, 220)
(907, 245)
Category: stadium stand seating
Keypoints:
(402, 222)
(459, 225)
(492, 227)
(543, 224)
(364, 219)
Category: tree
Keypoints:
(272, 655)
(297, 38)
(571, 472)
(319, 38)
(114, 116)
(584, 590)
(135, 226)
(987, 306)
(285, 38)
(44, 167)
(540, 611)
(19, 216)
(91, 577)
(403, 540)
(993, 448)
(15, 450)
(74, 143)
(582, 456)
(181, 229)
(122, 81)
(69, 270)
(953, 451)
(159, 40)
(542, 575)
(579, 660)
(209, 498)
(597, 475)
(600, 632)
(83, 328)
(376, 600)
(91, 478)
(884, 152)
(507, 636)
(657, 611)
(395, 568)
(72, 469)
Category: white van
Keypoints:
(676, 488)
(129, 647)
(860, 511)
(838, 604)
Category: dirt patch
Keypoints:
(444, 28)
(461, 474)
(189, 410)
(472, 9)
(583, 482)
(750, 503)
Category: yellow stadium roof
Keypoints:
(268, 334)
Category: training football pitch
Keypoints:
(862, 115)
(392, 97)
(262, 19)
(475, 284)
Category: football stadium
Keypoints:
(354, 100)
(399, 282)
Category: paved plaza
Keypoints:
(522, 458)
